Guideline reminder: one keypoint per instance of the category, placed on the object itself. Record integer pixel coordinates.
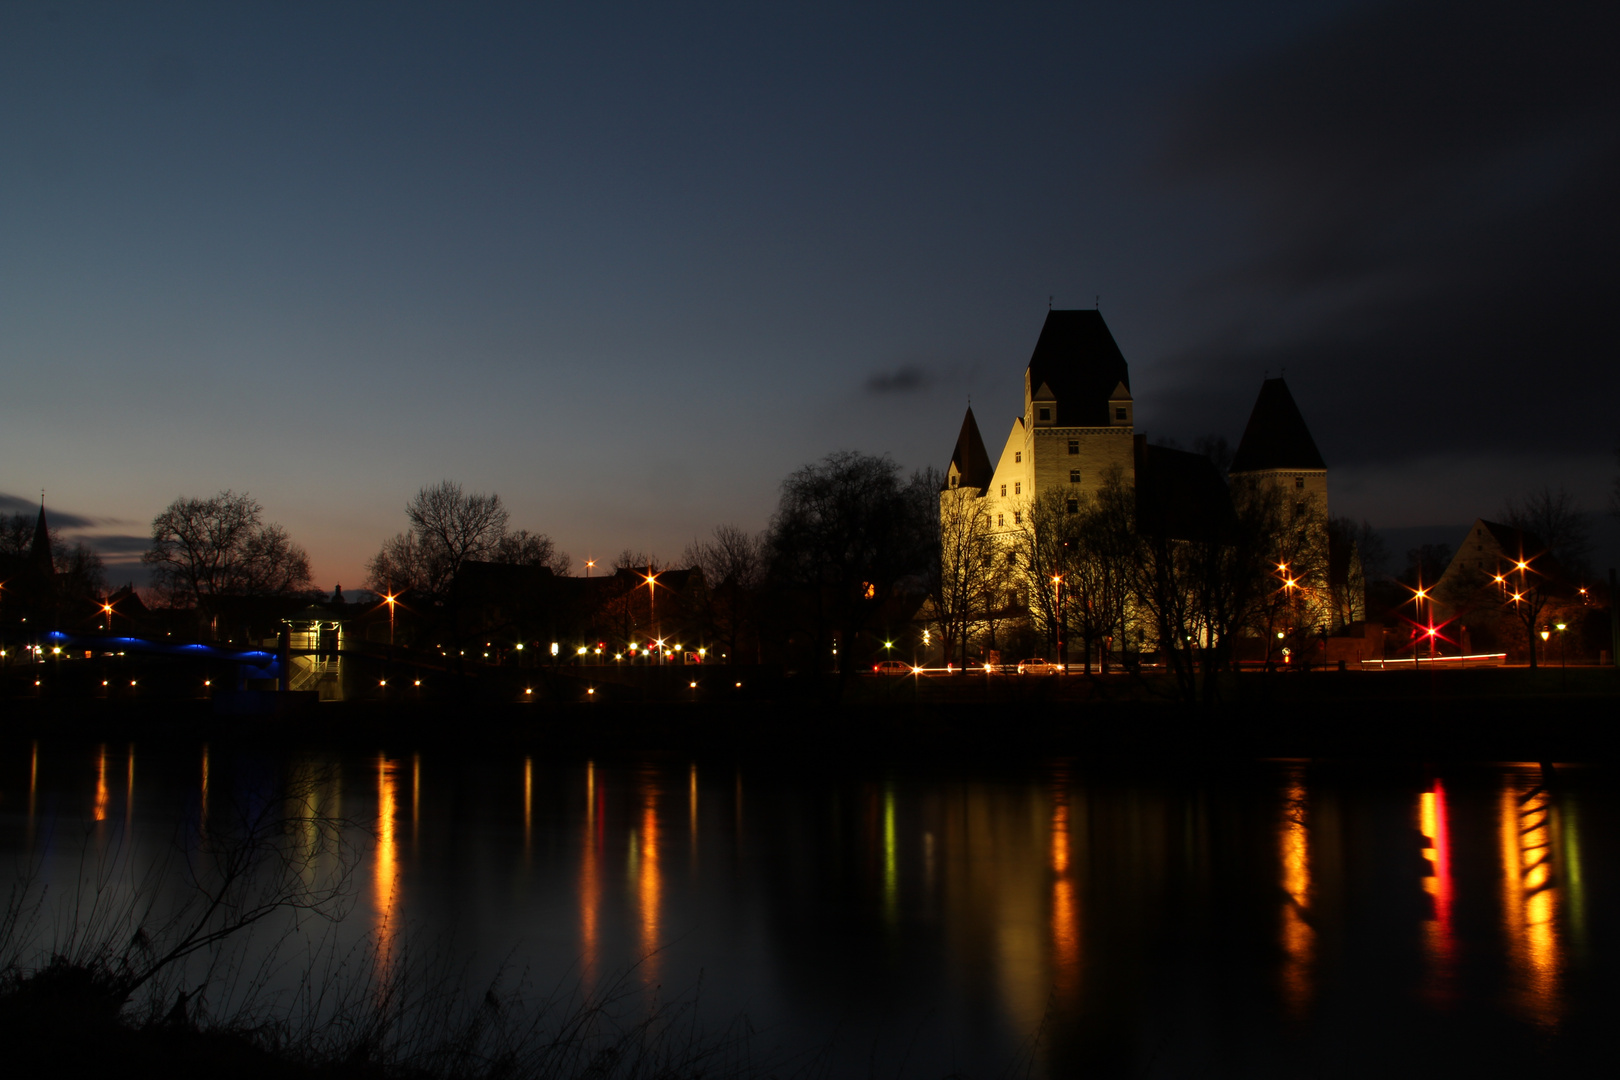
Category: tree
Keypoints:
(845, 533)
(962, 582)
(450, 527)
(524, 548)
(202, 549)
(1203, 574)
(733, 563)
(1557, 520)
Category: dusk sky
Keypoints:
(629, 266)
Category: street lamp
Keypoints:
(1563, 670)
(1062, 644)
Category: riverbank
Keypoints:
(1489, 715)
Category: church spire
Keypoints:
(39, 553)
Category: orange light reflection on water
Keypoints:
(1530, 900)
(385, 878)
(1298, 939)
(202, 819)
(1065, 907)
(649, 877)
(100, 810)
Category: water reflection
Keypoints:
(528, 807)
(1298, 937)
(649, 881)
(1140, 920)
(1439, 936)
(891, 873)
(590, 883)
(100, 809)
(129, 794)
(385, 876)
(1530, 898)
(1065, 911)
(202, 815)
(33, 784)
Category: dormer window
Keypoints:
(1044, 414)
(953, 480)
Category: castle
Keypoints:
(1078, 430)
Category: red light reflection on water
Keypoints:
(1439, 935)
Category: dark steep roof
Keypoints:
(39, 552)
(1276, 437)
(1076, 356)
(970, 457)
(1180, 495)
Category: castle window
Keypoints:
(1018, 487)
(1000, 520)
(1018, 457)
(1046, 414)
(1119, 412)
(1074, 446)
(1012, 559)
(1074, 476)
(1299, 483)
(1003, 491)
(1074, 506)
(1018, 517)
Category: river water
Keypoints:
(1051, 917)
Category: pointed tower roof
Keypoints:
(970, 458)
(1276, 437)
(39, 552)
(1076, 356)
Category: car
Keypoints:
(891, 667)
(1035, 666)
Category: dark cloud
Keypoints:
(905, 379)
(1428, 191)
(59, 519)
(119, 546)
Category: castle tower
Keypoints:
(1277, 449)
(1277, 446)
(970, 464)
(1078, 411)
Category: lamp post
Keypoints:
(1563, 670)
